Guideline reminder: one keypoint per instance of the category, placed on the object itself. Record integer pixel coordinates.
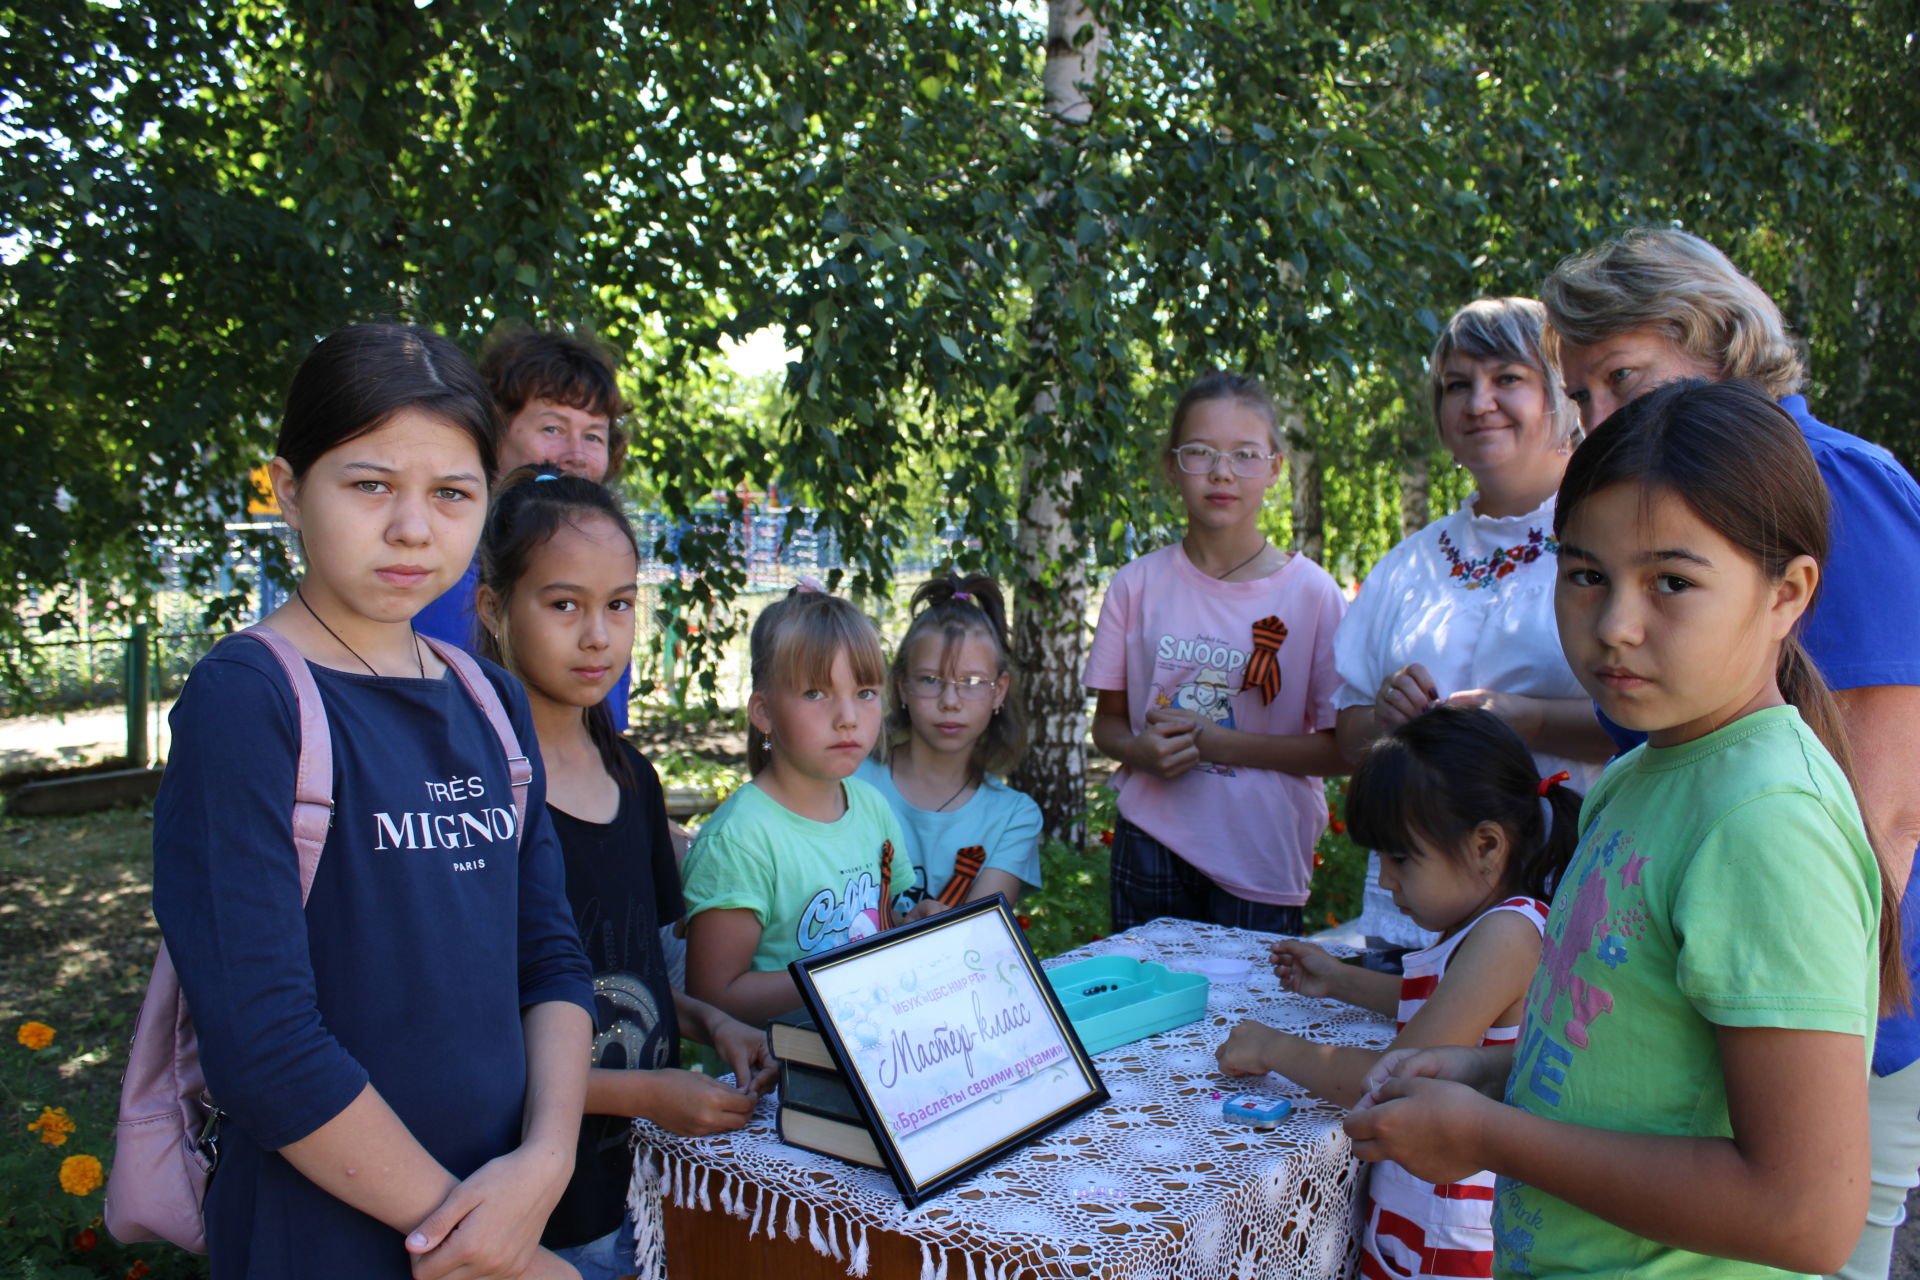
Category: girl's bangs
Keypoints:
(1388, 792)
(952, 633)
(804, 650)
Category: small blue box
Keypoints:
(1256, 1109)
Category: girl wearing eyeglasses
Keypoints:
(1213, 670)
(951, 726)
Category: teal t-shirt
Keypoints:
(814, 885)
(1003, 823)
(1724, 882)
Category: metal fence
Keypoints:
(143, 670)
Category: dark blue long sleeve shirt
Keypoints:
(429, 930)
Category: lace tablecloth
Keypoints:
(1154, 1184)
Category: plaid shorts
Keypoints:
(1151, 880)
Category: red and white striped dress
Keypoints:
(1416, 1229)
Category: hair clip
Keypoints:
(808, 583)
(1548, 784)
(962, 595)
(547, 475)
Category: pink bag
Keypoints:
(166, 1141)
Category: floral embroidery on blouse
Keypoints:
(1496, 564)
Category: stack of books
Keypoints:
(817, 1110)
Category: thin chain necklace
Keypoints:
(1257, 553)
(422, 663)
(942, 807)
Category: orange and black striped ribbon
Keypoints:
(966, 869)
(886, 880)
(1263, 668)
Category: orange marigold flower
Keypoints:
(53, 1126)
(1330, 920)
(139, 1270)
(1106, 837)
(34, 1035)
(1339, 827)
(86, 1240)
(1318, 862)
(80, 1175)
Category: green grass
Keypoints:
(79, 940)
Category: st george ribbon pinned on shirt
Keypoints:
(1263, 668)
(886, 881)
(966, 869)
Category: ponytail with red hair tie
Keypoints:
(1546, 805)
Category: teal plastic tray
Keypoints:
(1115, 1000)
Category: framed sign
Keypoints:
(951, 1040)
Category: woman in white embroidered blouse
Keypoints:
(1462, 611)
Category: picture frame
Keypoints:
(952, 1041)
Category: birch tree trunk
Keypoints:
(1303, 479)
(1416, 495)
(1049, 619)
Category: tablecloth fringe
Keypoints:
(650, 1246)
(687, 1186)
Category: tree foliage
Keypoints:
(191, 194)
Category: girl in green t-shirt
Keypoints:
(805, 856)
(1691, 1072)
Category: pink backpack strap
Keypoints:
(165, 1144)
(313, 774)
(481, 690)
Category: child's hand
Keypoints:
(746, 1050)
(1461, 1065)
(694, 1105)
(1248, 1049)
(1169, 745)
(924, 908)
(490, 1224)
(1430, 1127)
(1304, 968)
(549, 1266)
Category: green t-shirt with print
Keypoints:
(1726, 882)
(813, 885)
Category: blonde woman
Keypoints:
(1461, 613)
(1656, 305)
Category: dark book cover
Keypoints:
(824, 1093)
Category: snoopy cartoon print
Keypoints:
(1208, 693)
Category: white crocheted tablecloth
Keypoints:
(1154, 1184)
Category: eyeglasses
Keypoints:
(1198, 460)
(1245, 463)
(972, 688)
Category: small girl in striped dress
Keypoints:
(1471, 841)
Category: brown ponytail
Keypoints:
(1802, 684)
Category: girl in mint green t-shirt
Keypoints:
(805, 856)
(1691, 1073)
